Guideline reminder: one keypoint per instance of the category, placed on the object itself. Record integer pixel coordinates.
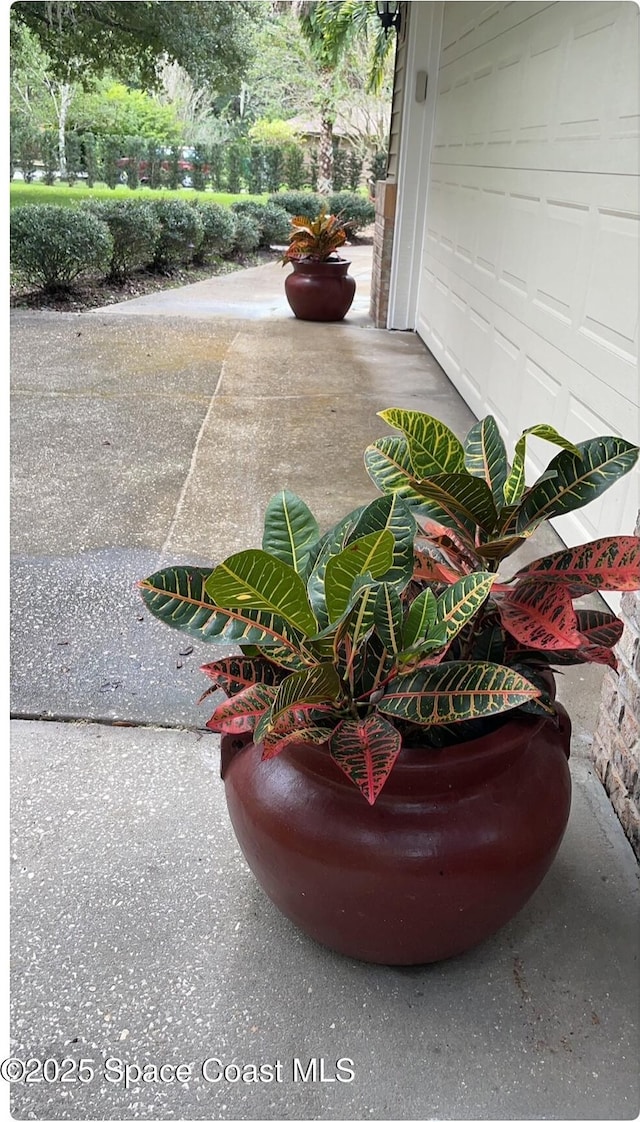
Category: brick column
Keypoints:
(382, 248)
(616, 744)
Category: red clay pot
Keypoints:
(320, 290)
(454, 846)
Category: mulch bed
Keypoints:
(95, 292)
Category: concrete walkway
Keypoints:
(156, 431)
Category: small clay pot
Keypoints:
(320, 290)
(456, 843)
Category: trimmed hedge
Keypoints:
(357, 211)
(135, 229)
(299, 202)
(52, 245)
(247, 233)
(218, 231)
(274, 222)
(180, 233)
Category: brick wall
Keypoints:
(616, 744)
(382, 249)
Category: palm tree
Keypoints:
(330, 27)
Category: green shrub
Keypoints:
(247, 233)
(354, 171)
(273, 221)
(52, 245)
(235, 166)
(356, 210)
(295, 173)
(298, 202)
(218, 231)
(135, 230)
(275, 225)
(180, 233)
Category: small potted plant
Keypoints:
(394, 758)
(319, 288)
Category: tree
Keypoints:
(38, 97)
(114, 110)
(85, 38)
(330, 28)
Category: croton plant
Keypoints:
(315, 239)
(394, 627)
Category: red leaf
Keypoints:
(599, 629)
(601, 655)
(366, 751)
(234, 674)
(242, 712)
(612, 564)
(540, 616)
(293, 726)
(426, 568)
(446, 540)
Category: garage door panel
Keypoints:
(522, 399)
(550, 255)
(557, 91)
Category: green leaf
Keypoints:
(366, 752)
(387, 617)
(461, 502)
(499, 548)
(388, 464)
(455, 691)
(307, 688)
(433, 447)
(457, 606)
(391, 513)
(515, 483)
(330, 546)
(290, 531)
(371, 554)
(485, 456)
(178, 597)
(572, 482)
(421, 617)
(255, 580)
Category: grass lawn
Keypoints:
(62, 195)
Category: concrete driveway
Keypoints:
(156, 431)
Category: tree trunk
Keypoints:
(63, 109)
(325, 157)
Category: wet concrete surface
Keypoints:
(140, 937)
(143, 436)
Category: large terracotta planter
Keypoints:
(320, 290)
(455, 845)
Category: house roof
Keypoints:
(355, 122)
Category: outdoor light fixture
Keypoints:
(388, 14)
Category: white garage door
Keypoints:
(528, 290)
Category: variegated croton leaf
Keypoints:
(242, 712)
(178, 596)
(366, 752)
(455, 691)
(234, 674)
(540, 616)
(607, 564)
(290, 532)
(296, 726)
